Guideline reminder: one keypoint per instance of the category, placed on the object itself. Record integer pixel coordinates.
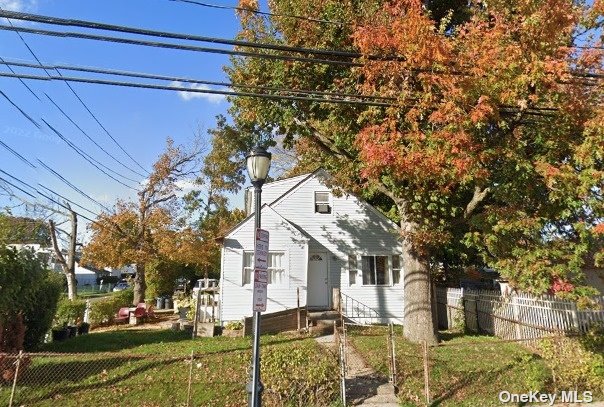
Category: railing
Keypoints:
(357, 312)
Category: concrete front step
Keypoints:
(380, 398)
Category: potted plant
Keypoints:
(233, 329)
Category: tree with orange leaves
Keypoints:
(492, 143)
(149, 229)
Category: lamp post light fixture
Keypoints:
(258, 163)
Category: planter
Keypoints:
(232, 333)
(60, 334)
(83, 328)
(73, 330)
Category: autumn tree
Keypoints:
(149, 229)
(487, 136)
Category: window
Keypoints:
(396, 269)
(276, 269)
(352, 269)
(375, 270)
(322, 204)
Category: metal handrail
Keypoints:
(354, 309)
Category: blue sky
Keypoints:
(140, 119)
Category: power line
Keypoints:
(87, 157)
(157, 44)
(78, 150)
(194, 90)
(181, 79)
(20, 80)
(16, 154)
(72, 186)
(262, 13)
(94, 141)
(75, 94)
(189, 37)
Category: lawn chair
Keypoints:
(123, 315)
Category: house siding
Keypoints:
(237, 298)
(352, 227)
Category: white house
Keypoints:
(318, 242)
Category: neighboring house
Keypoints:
(318, 242)
(122, 272)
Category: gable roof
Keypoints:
(302, 179)
(264, 208)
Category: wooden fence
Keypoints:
(515, 316)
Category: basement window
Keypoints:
(322, 202)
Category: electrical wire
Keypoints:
(87, 157)
(95, 142)
(143, 75)
(188, 37)
(72, 186)
(78, 150)
(21, 80)
(31, 51)
(262, 13)
(16, 154)
(182, 47)
(195, 90)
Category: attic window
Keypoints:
(322, 204)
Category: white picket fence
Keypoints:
(515, 316)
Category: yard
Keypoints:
(460, 374)
(151, 368)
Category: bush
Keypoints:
(29, 293)
(310, 381)
(234, 325)
(69, 312)
(103, 311)
(575, 365)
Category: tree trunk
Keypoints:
(140, 286)
(68, 265)
(72, 285)
(418, 317)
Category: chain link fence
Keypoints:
(117, 379)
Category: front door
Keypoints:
(318, 294)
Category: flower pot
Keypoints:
(83, 328)
(60, 334)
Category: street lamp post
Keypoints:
(258, 164)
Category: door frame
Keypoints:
(325, 255)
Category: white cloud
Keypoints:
(18, 5)
(186, 96)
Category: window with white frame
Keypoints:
(275, 270)
(375, 270)
(352, 269)
(396, 269)
(322, 202)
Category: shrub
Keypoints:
(69, 312)
(574, 365)
(234, 325)
(28, 290)
(310, 381)
(103, 311)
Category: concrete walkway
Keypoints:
(364, 386)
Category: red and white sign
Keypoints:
(259, 297)
(261, 249)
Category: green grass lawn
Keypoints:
(151, 368)
(461, 374)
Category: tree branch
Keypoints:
(477, 198)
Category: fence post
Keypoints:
(515, 308)
(12, 392)
(391, 348)
(575, 317)
(426, 373)
(298, 306)
(190, 381)
(343, 368)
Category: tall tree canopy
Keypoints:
(23, 230)
(492, 141)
